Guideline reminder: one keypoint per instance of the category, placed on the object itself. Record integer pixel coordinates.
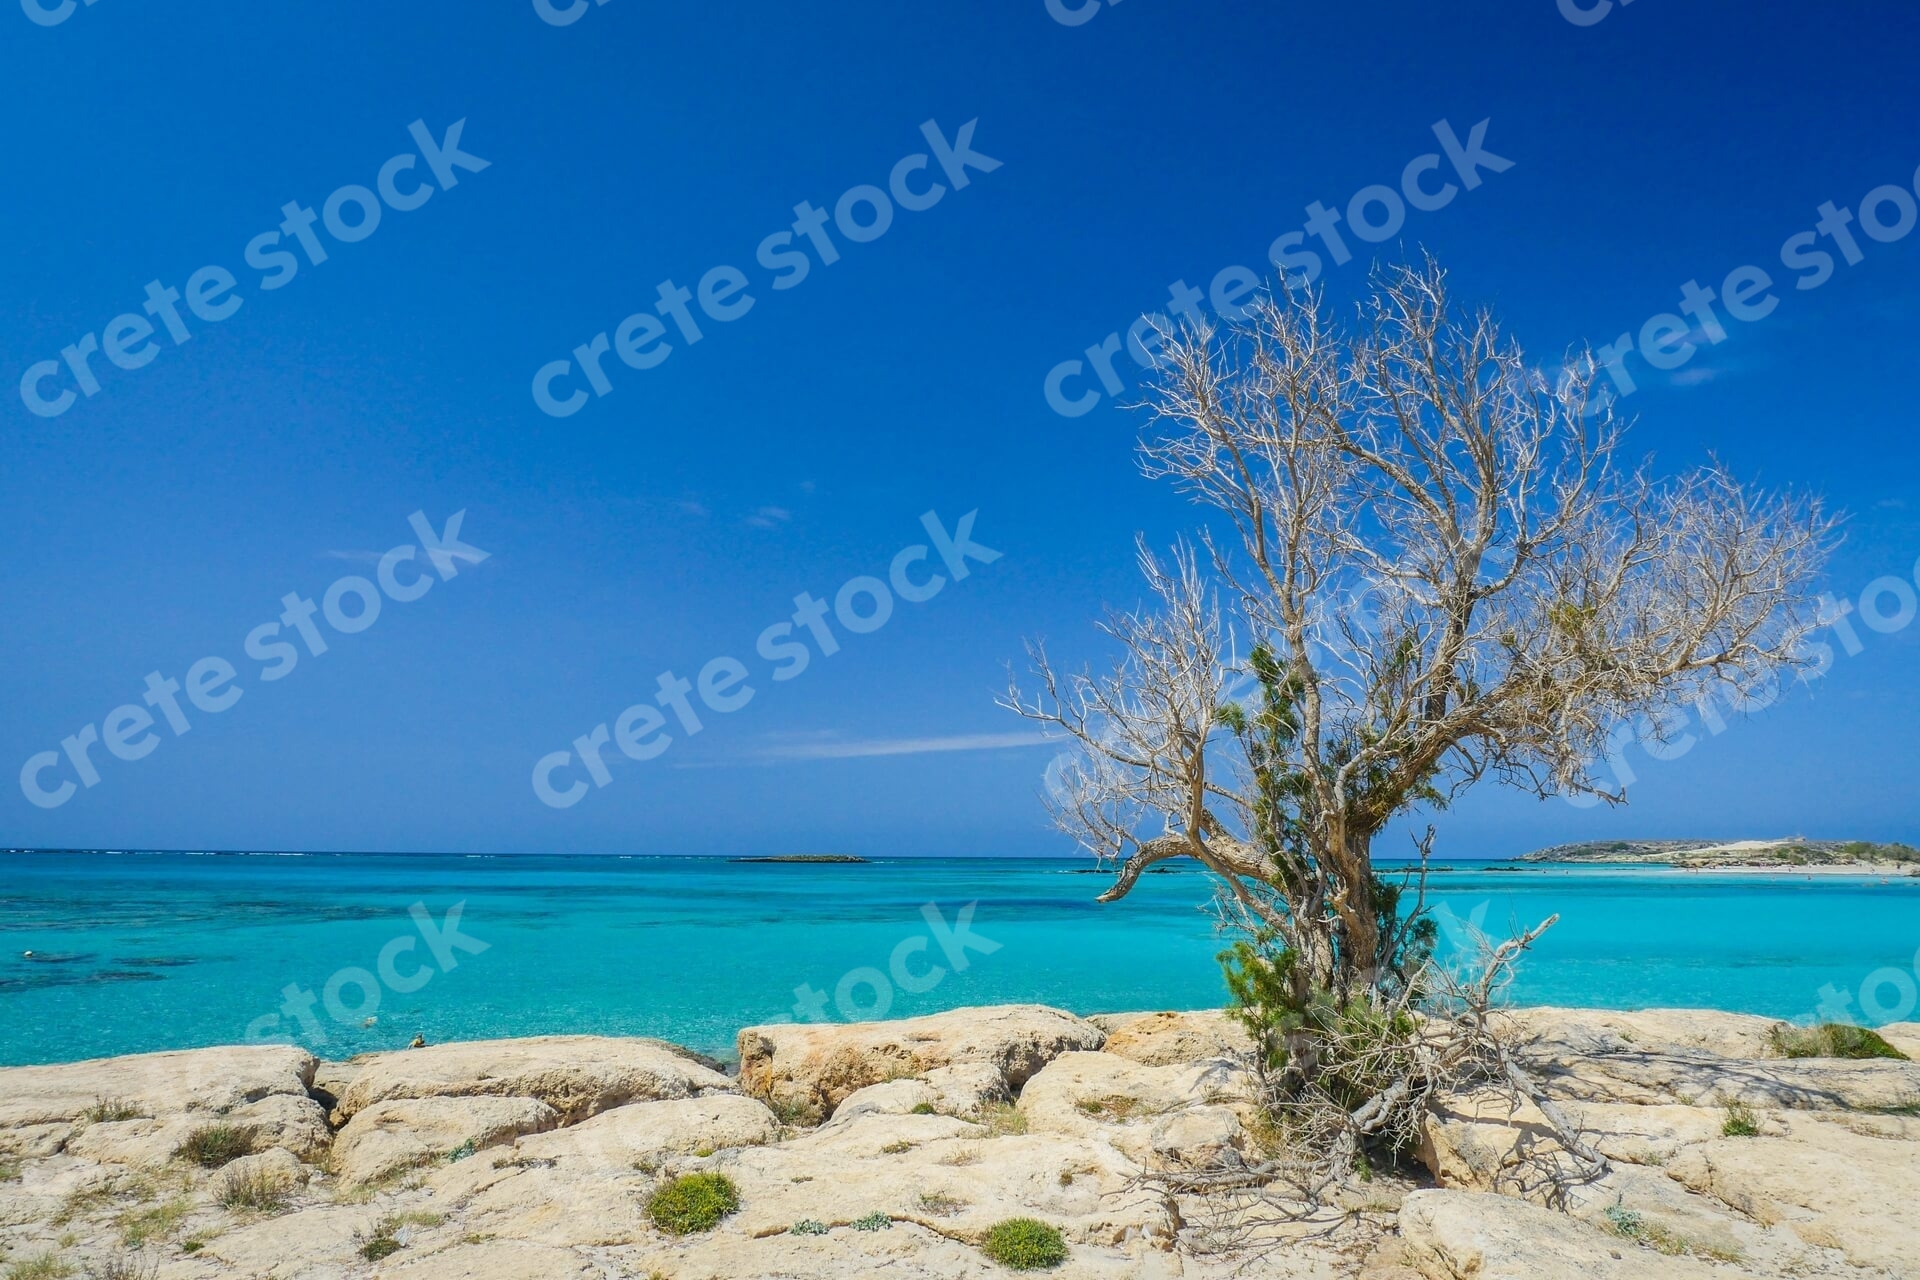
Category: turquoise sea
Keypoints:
(135, 952)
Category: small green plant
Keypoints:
(693, 1202)
(43, 1266)
(1630, 1224)
(1002, 1119)
(1623, 1220)
(801, 1113)
(212, 1145)
(1740, 1121)
(1829, 1040)
(381, 1240)
(123, 1266)
(896, 1148)
(1025, 1244)
(257, 1189)
(192, 1244)
(462, 1151)
(924, 1109)
(808, 1227)
(140, 1225)
(79, 1203)
(940, 1204)
(873, 1222)
(108, 1110)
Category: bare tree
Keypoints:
(1438, 570)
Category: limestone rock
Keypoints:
(1464, 1235)
(491, 1260)
(1162, 1039)
(1904, 1036)
(1669, 1215)
(1198, 1137)
(960, 1090)
(651, 1132)
(894, 1098)
(818, 1065)
(1117, 1099)
(1587, 1032)
(406, 1132)
(910, 1251)
(297, 1125)
(1483, 1141)
(142, 1144)
(1833, 1187)
(1649, 1135)
(154, 1085)
(577, 1076)
(308, 1242)
(966, 1087)
(585, 1185)
(1659, 1079)
(947, 1176)
(275, 1168)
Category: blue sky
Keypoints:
(670, 521)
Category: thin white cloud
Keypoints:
(769, 517)
(863, 748)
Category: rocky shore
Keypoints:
(893, 1150)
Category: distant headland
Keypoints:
(803, 857)
(1793, 852)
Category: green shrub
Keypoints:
(1740, 1121)
(41, 1267)
(108, 1110)
(378, 1247)
(800, 1113)
(1001, 1119)
(383, 1239)
(137, 1226)
(808, 1227)
(44, 1266)
(260, 1189)
(213, 1145)
(693, 1202)
(1829, 1040)
(873, 1222)
(924, 1109)
(1024, 1244)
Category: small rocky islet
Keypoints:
(899, 1149)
